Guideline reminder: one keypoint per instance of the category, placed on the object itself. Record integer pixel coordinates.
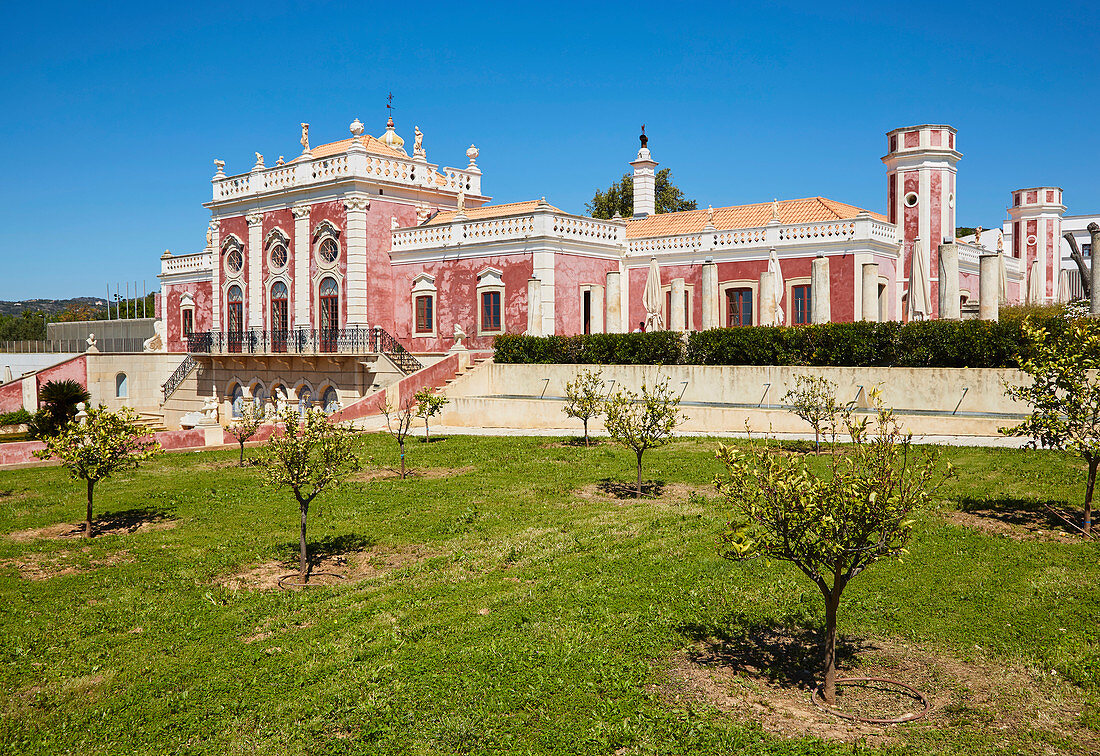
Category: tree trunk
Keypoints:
(402, 445)
(831, 602)
(241, 463)
(303, 560)
(817, 441)
(427, 432)
(88, 513)
(586, 432)
(639, 475)
(1088, 494)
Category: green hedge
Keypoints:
(933, 343)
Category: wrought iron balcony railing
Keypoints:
(304, 341)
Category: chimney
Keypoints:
(645, 188)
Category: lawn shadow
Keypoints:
(579, 441)
(433, 439)
(784, 655)
(331, 548)
(1029, 514)
(651, 489)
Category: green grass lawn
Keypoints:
(517, 611)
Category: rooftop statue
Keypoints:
(305, 137)
(418, 141)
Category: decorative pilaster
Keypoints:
(869, 292)
(989, 287)
(710, 295)
(820, 291)
(596, 325)
(950, 306)
(302, 251)
(356, 205)
(215, 277)
(534, 307)
(676, 319)
(255, 276)
(614, 320)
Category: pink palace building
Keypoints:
(355, 261)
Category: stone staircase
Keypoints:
(151, 421)
(474, 365)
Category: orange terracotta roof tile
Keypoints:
(809, 210)
(372, 145)
(491, 211)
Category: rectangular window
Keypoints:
(1016, 239)
(188, 322)
(490, 311)
(738, 307)
(1086, 250)
(587, 311)
(801, 296)
(424, 322)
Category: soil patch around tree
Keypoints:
(1018, 519)
(767, 676)
(353, 558)
(371, 474)
(140, 520)
(43, 566)
(608, 489)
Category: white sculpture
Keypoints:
(418, 141)
(259, 161)
(461, 201)
(305, 138)
(91, 343)
(775, 209)
(280, 161)
(1000, 240)
(459, 335)
(158, 341)
(210, 409)
(220, 165)
(978, 236)
(393, 222)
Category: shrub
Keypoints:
(656, 348)
(19, 417)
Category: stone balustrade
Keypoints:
(174, 264)
(541, 223)
(351, 164)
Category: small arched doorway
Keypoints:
(329, 295)
(278, 317)
(235, 317)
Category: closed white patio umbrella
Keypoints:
(920, 284)
(1004, 275)
(651, 298)
(1035, 283)
(777, 287)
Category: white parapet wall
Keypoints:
(720, 399)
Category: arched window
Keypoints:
(278, 257)
(328, 251)
(235, 317)
(305, 400)
(237, 397)
(121, 389)
(330, 401)
(259, 396)
(329, 295)
(278, 316)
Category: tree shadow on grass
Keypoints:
(784, 655)
(1030, 514)
(332, 548)
(579, 441)
(651, 489)
(128, 520)
(433, 439)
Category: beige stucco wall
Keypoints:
(928, 401)
(145, 374)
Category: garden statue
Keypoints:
(305, 138)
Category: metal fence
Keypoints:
(71, 345)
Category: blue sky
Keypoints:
(113, 114)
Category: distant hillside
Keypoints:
(51, 306)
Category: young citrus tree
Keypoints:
(584, 397)
(813, 399)
(309, 457)
(428, 404)
(831, 526)
(398, 423)
(244, 427)
(94, 447)
(1064, 395)
(644, 420)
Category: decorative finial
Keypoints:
(356, 128)
(220, 165)
(472, 153)
(643, 138)
(305, 138)
(259, 162)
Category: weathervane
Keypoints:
(389, 104)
